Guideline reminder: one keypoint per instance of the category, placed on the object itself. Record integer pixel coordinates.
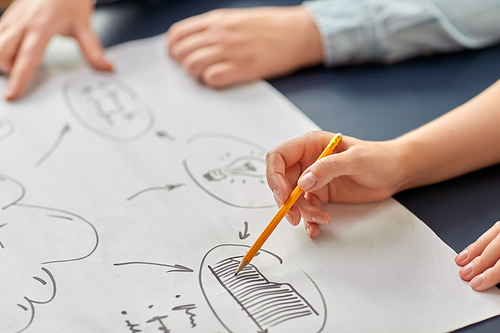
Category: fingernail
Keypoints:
(290, 218)
(307, 181)
(477, 281)
(467, 269)
(462, 255)
(9, 93)
(277, 195)
(319, 219)
(308, 229)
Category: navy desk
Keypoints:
(373, 102)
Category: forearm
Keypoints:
(461, 141)
(356, 31)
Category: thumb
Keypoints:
(92, 49)
(324, 170)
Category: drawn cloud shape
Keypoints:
(107, 107)
(31, 238)
(250, 302)
(235, 174)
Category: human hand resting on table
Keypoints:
(228, 46)
(27, 26)
(357, 171)
(481, 260)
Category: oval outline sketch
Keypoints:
(123, 86)
(200, 273)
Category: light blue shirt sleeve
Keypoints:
(357, 31)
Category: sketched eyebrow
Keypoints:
(1, 225)
(42, 281)
(22, 307)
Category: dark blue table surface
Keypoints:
(373, 102)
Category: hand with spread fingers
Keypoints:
(481, 260)
(228, 46)
(27, 26)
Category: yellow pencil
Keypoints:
(283, 210)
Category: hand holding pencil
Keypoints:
(358, 171)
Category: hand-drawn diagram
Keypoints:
(65, 130)
(267, 306)
(67, 237)
(235, 175)
(168, 188)
(107, 107)
(6, 128)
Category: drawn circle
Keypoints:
(252, 303)
(6, 128)
(107, 107)
(230, 169)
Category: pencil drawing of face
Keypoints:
(107, 107)
(230, 169)
(40, 236)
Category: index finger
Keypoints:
(294, 155)
(28, 58)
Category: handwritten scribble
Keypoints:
(252, 300)
(176, 267)
(168, 187)
(7, 128)
(107, 107)
(234, 174)
(187, 309)
(66, 129)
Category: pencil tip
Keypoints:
(242, 265)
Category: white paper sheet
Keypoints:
(126, 198)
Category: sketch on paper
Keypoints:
(168, 188)
(159, 322)
(165, 135)
(65, 130)
(229, 169)
(107, 107)
(253, 302)
(67, 237)
(6, 128)
(172, 268)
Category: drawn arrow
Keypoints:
(245, 233)
(168, 187)
(177, 267)
(65, 130)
